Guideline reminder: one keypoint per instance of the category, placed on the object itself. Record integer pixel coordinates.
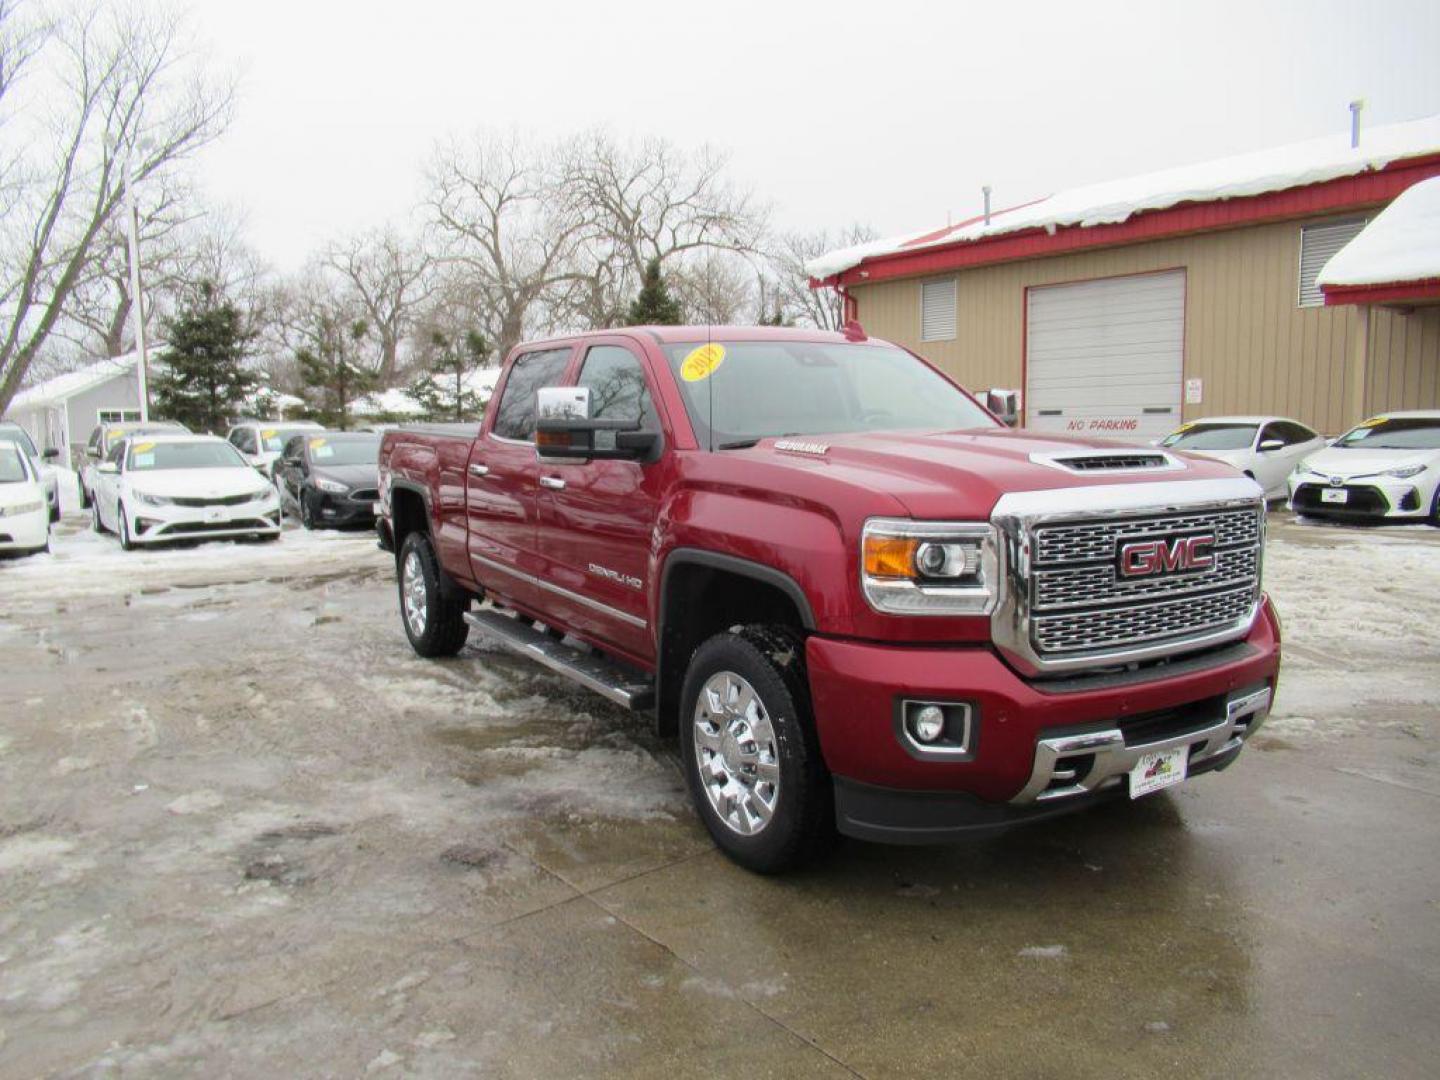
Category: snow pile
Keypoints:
(1114, 201)
(397, 402)
(1402, 244)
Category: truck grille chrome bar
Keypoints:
(1099, 577)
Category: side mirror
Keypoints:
(92, 452)
(564, 429)
(291, 462)
(109, 468)
(1005, 404)
(52, 453)
(1271, 444)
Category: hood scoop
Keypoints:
(1108, 461)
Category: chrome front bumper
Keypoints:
(1060, 771)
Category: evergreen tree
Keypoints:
(440, 390)
(654, 306)
(204, 379)
(329, 370)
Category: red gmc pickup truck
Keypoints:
(862, 602)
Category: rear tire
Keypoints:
(1435, 508)
(750, 753)
(431, 609)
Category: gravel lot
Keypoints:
(244, 831)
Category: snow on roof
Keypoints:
(397, 402)
(1257, 173)
(62, 388)
(1401, 245)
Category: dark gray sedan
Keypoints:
(330, 477)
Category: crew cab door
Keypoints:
(596, 518)
(500, 479)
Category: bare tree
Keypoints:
(391, 277)
(504, 235)
(822, 308)
(119, 88)
(650, 200)
(714, 288)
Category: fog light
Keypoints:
(929, 723)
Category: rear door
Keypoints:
(596, 518)
(1106, 357)
(500, 479)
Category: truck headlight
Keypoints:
(929, 568)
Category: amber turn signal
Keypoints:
(890, 556)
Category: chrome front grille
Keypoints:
(1191, 552)
(1093, 540)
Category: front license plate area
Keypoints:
(1334, 495)
(1158, 770)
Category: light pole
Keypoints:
(132, 221)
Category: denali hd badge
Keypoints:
(1144, 558)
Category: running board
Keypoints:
(625, 687)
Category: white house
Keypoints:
(62, 411)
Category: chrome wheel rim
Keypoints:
(736, 753)
(412, 594)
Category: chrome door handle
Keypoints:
(479, 470)
(554, 483)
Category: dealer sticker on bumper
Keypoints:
(1160, 769)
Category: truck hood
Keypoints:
(962, 474)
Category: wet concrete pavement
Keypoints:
(244, 831)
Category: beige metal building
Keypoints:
(1127, 307)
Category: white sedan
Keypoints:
(1387, 467)
(1264, 448)
(24, 513)
(156, 488)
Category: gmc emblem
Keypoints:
(1142, 558)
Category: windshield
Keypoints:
(21, 436)
(331, 450)
(1212, 437)
(276, 438)
(1415, 433)
(736, 392)
(144, 456)
(13, 469)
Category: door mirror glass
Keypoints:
(92, 451)
(293, 463)
(51, 453)
(1267, 445)
(1005, 404)
(564, 429)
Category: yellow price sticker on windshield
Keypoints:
(1374, 421)
(115, 433)
(141, 448)
(1183, 428)
(702, 362)
(315, 444)
(268, 434)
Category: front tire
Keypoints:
(431, 610)
(126, 544)
(307, 511)
(95, 522)
(748, 746)
(1435, 508)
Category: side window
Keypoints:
(95, 437)
(1292, 433)
(117, 452)
(294, 448)
(515, 415)
(616, 380)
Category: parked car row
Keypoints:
(1385, 468)
(14, 434)
(24, 514)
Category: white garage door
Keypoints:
(1106, 357)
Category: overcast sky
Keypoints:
(883, 112)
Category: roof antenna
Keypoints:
(1355, 107)
(986, 191)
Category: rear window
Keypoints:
(738, 391)
(515, 416)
